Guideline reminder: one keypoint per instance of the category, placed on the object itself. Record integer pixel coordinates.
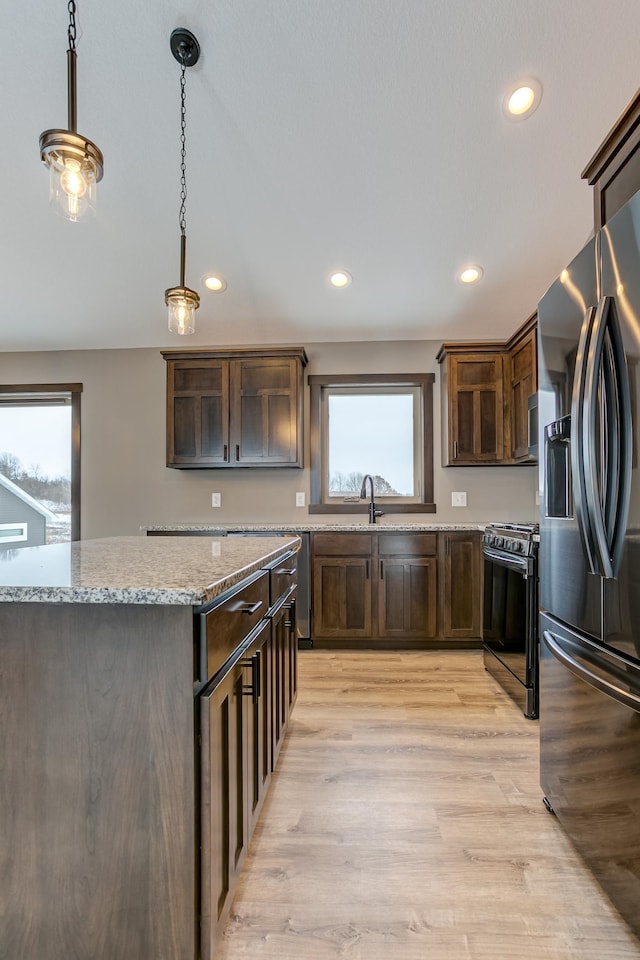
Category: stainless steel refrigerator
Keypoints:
(589, 347)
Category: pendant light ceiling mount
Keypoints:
(75, 163)
(184, 47)
(181, 301)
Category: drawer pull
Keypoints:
(286, 572)
(246, 607)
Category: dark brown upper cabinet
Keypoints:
(485, 391)
(234, 408)
(474, 387)
(614, 169)
(523, 366)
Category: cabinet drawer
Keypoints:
(283, 576)
(407, 544)
(224, 627)
(342, 544)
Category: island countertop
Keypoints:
(144, 570)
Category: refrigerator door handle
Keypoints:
(619, 493)
(625, 697)
(577, 442)
(607, 416)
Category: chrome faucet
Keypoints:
(373, 513)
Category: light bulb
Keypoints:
(72, 186)
(72, 181)
(181, 316)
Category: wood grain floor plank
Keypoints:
(405, 822)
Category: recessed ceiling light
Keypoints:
(522, 99)
(340, 278)
(216, 284)
(470, 274)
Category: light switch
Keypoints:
(300, 499)
(458, 499)
(215, 499)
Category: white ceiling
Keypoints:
(365, 134)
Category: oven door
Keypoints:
(509, 631)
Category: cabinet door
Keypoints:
(407, 600)
(197, 413)
(523, 384)
(341, 605)
(292, 655)
(279, 674)
(476, 408)
(257, 686)
(223, 831)
(265, 412)
(461, 584)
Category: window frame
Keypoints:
(318, 385)
(22, 394)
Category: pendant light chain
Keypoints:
(183, 140)
(72, 32)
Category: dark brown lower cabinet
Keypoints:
(406, 597)
(342, 597)
(415, 587)
(222, 802)
(235, 770)
(285, 670)
(388, 592)
(460, 559)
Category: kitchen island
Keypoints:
(145, 687)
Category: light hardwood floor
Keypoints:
(405, 822)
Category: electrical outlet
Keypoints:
(458, 499)
(215, 500)
(300, 499)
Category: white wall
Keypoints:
(125, 483)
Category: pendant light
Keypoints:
(75, 163)
(181, 301)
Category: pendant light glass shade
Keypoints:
(73, 174)
(75, 163)
(182, 304)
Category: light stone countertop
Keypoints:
(317, 527)
(151, 570)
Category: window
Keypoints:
(12, 532)
(39, 463)
(380, 425)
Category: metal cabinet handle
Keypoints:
(455, 449)
(225, 452)
(291, 607)
(237, 451)
(252, 689)
(382, 569)
(246, 607)
(286, 572)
